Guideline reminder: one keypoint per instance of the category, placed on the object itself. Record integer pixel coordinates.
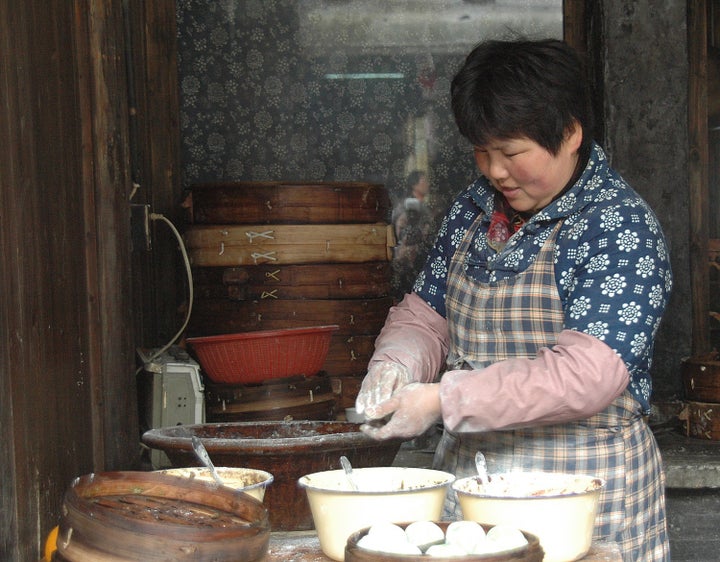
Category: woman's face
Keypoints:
(526, 173)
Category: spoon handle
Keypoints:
(347, 467)
(203, 455)
(481, 467)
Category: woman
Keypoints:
(540, 301)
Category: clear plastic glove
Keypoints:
(412, 410)
(381, 381)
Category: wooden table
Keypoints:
(304, 546)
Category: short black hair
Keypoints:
(524, 88)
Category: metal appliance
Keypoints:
(170, 392)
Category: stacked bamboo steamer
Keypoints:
(275, 255)
(701, 382)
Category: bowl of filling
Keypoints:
(247, 480)
(558, 508)
(341, 505)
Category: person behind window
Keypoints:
(413, 226)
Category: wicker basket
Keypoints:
(254, 357)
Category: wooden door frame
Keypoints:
(698, 161)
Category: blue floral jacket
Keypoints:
(611, 261)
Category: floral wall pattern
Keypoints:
(335, 90)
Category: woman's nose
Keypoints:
(496, 168)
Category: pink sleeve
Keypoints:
(573, 380)
(415, 336)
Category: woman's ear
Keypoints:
(574, 136)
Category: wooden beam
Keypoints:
(698, 172)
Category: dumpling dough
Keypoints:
(387, 532)
(506, 537)
(389, 546)
(465, 534)
(388, 537)
(424, 534)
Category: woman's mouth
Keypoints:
(509, 191)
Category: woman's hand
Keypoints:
(413, 410)
(382, 380)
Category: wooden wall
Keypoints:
(67, 361)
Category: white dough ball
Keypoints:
(506, 537)
(387, 532)
(424, 533)
(369, 543)
(465, 534)
(445, 550)
(389, 538)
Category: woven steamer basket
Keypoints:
(130, 516)
(532, 552)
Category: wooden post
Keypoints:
(698, 173)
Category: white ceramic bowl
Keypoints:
(249, 480)
(558, 508)
(391, 494)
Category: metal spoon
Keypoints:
(347, 467)
(481, 466)
(204, 457)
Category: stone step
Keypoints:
(689, 462)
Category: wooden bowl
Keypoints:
(532, 552)
(126, 516)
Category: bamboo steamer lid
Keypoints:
(282, 244)
(124, 516)
(287, 202)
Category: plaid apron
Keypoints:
(514, 318)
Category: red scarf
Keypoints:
(504, 222)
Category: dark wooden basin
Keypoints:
(286, 449)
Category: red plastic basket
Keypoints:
(253, 357)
